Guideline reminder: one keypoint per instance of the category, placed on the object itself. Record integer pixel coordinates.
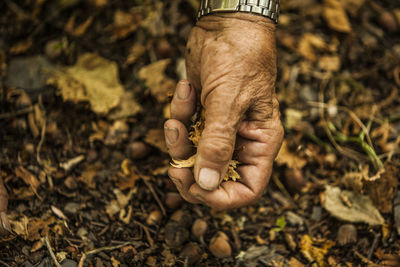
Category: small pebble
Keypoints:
(347, 234)
(294, 179)
(68, 263)
(71, 183)
(192, 252)
(316, 213)
(294, 219)
(219, 246)
(199, 228)
(71, 207)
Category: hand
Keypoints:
(231, 65)
(5, 227)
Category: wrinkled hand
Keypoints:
(5, 227)
(231, 66)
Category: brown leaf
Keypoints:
(21, 47)
(159, 84)
(335, 16)
(93, 79)
(88, 175)
(315, 251)
(28, 178)
(329, 63)
(125, 23)
(285, 156)
(309, 43)
(78, 30)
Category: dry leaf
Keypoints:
(137, 50)
(125, 23)
(88, 175)
(154, 76)
(335, 16)
(78, 30)
(285, 156)
(350, 206)
(31, 229)
(309, 43)
(352, 6)
(127, 107)
(155, 137)
(58, 212)
(112, 208)
(329, 63)
(21, 47)
(28, 178)
(115, 262)
(314, 250)
(93, 79)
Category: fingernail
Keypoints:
(171, 135)
(208, 179)
(183, 90)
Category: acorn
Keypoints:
(183, 218)
(154, 217)
(347, 234)
(388, 21)
(294, 179)
(138, 150)
(219, 246)
(199, 228)
(71, 183)
(175, 235)
(173, 200)
(192, 252)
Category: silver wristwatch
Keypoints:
(266, 8)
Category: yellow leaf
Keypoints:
(314, 250)
(285, 156)
(159, 84)
(335, 16)
(93, 79)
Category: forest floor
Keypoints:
(84, 92)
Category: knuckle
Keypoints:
(216, 148)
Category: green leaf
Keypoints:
(280, 223)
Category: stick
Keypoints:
(39, 147)
(17, 113)
(46, 240)
(155, 196)
(5, 264)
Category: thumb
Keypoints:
(217, 142)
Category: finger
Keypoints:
(222, 114)
(5, 227)
(183, 103)
(183, 179)
(176, 138)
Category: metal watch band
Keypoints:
(266, 8)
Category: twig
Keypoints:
(155, 196)
(39, 147)
(46, 240)
(365, 260)
(374, 245)
(146, 231)
(283, 190)
(98, 250)
(5, 264)
(17, 113)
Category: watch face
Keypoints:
(223, 5)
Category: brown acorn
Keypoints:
(173, 200)
(182, 217)
(138, 150)
(294, 179)
(199, 228)
(192, 252)
(219, 246)
(154, 217)
(175, 235)
(388, 21)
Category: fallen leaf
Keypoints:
(285, 156)
(136, 51)
(31, 229)
(88, 175)
(335, 16)
(329, 63)
(352, 6)
(314, 250)
(159, 84)
(58, 212)
(80, 29)
(28, 178)
(309, 43)
(21, 47)
(93, 79)
(125, 23)
(350, 206)
(155, 137)
(115, 262)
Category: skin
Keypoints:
(5, 227)
(231, 66)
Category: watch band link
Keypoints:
(266, 8)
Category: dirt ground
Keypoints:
(84, 92)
